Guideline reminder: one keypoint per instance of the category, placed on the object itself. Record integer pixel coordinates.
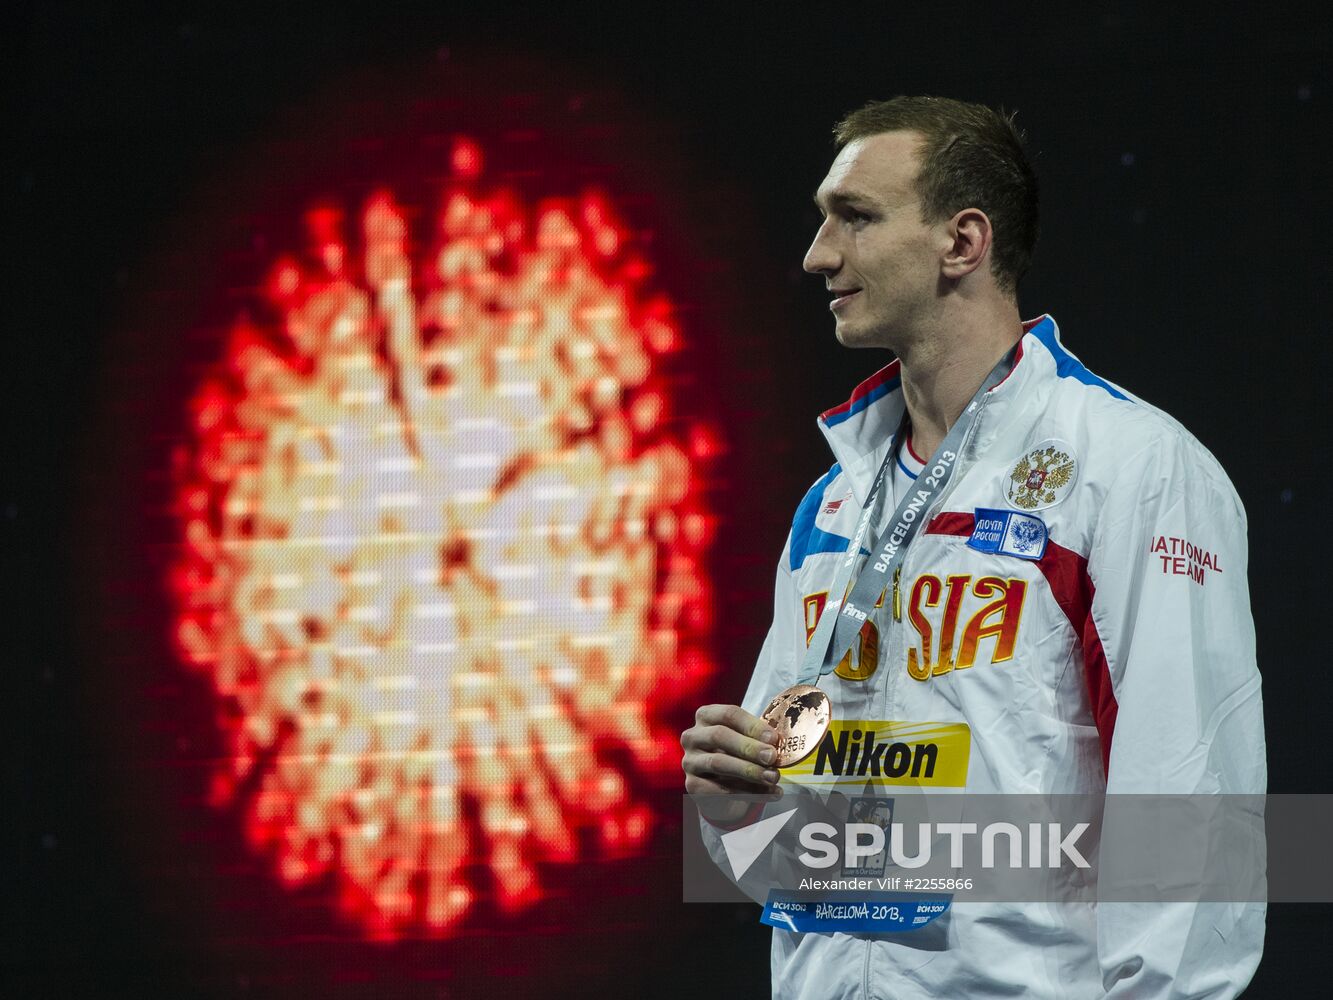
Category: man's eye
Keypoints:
(855, 216)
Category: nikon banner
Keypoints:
(824, 854)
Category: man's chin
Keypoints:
(849, 335)
(863, 334)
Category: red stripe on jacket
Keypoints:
(1066, 574)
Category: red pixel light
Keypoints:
(443, 540)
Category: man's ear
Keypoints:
(970, 235)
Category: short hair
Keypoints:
(973, 157)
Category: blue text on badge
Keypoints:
(1009, 533)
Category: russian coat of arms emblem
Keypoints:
(1042, 477)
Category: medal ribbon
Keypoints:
(836, 632)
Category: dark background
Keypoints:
(1181, 157)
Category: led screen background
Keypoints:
(186, 191)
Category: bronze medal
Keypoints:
(800, 716)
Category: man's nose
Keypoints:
(822, 258)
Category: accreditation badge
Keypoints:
(853, 913)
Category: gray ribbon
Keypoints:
(836, 632)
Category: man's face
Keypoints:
(880, 261)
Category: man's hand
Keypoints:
(728, 750)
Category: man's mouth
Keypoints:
(841, 297)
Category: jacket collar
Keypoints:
(860, 431)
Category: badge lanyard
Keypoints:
(836, 632)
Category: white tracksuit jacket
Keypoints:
(1123, 660)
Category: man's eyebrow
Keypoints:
(842, 198)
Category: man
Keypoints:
(1074, 600)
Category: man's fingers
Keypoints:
(730, 749)
(695, 785)
(732, 742)
(737, 719)
(719, 765)
(720, 739)
(733, 785)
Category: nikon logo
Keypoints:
(858, 753)
(887, 752)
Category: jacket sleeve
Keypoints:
(1178, 697)
(774, 670)
(776, 666)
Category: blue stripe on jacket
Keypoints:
(806, 539)
(1068, 366)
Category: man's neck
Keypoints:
(942, 371)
